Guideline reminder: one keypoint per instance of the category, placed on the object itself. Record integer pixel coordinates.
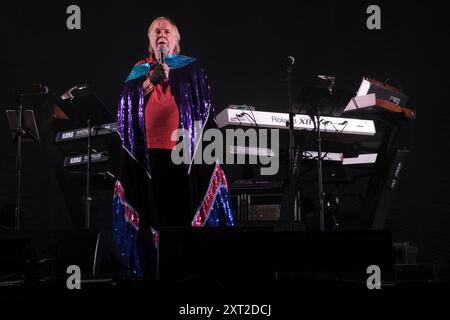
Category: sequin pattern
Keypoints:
(215, 202)
(125, 231)
(193, 95)
(139, 70)
(131, 215)
(174, 62)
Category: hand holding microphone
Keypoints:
(158, 76)
(161, 70)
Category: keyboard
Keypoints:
(81, 133)
(307, 155)
(277, 120)
(78, 160)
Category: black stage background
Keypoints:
(243, 48)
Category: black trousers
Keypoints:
(170, 190)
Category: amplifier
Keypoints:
(257, 200)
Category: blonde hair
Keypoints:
(175, 29)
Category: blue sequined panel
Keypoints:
(139, 70)
(139, 257)
(126, 238)
(221, 213)
(174, 62)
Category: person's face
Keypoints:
(162, 34)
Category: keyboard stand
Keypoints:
(81, 105)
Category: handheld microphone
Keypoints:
(162, 55)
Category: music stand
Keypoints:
(83, 107)
(22, 125)
(29, 132)
(317, 102)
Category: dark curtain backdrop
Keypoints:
(243, 48)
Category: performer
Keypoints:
(163, 93)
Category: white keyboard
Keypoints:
(277, 120)
(327, 156)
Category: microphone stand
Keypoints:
(88, 199)
(319, 156)
(19, 133)
(295, 205)
(93, 130)
(320, 173)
